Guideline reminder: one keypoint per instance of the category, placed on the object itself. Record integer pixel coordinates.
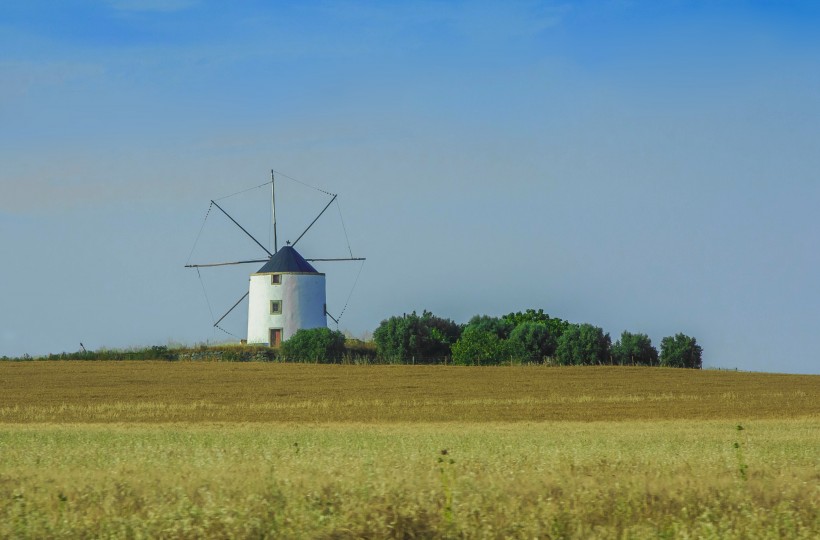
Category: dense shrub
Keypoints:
(321, 345)
(479, 346)
(358, 351)
(634, 350)
(583, 344)
(413, 336)
(681, 351)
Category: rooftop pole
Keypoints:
(273, 211)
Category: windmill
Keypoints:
(287, 293)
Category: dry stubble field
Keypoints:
(187, 450)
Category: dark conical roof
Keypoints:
(287, 259)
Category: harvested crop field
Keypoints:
(192, 450)
(262, 392)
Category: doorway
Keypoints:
(275, 337)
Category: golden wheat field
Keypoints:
(193, 450)
(270, 392)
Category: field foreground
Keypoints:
(251, 451)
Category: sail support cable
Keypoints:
(229, 333)
(191, 254)
(349, 296)
(243, 191)
(303, 183)
(211, 311)
(339, 208)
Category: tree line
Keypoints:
(529, 336)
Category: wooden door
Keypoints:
(275, 337)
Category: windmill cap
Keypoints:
(287, 259)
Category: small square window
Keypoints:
(275, 307)
(276, 279)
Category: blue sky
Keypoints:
(643, 166)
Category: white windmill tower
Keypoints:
(287, 293)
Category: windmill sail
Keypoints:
(287, 293)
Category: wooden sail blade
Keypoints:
(243, 229)
(208, 265)
(232, 308)
(315, 219)
(340, 259)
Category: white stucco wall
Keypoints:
(303, 304)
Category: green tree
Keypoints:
(529, 315)
(426, 336)
(681, 351)
(478, 346)
(583, 344)
(495, 325)
(534, 340)
(314, 345)
(556, 326)
(634, 349)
